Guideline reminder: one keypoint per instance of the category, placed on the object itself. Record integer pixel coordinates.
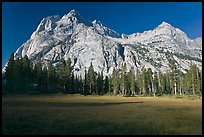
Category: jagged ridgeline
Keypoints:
(83, 41)
(89, 46)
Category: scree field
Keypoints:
(75, 114)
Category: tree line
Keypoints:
(22, 76)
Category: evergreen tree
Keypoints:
(201, 82)
(72, 83)
(38, 75)
(149, 80)
(198, 82)
(91, 79)
(124, 80)
(44, 79)
(194, 78)
(173, 75)
(168, 83)
(102, 83)
(187, 82)
(64, 75)
(52, 78)
(21, 73)
(80, 84)
(85, 83)
(9, 74)
(139, 81)
(69, 76)
(156, 83)
(76, 84)
(162, 83)
(115, 81)
(132, 81)
(143, 82)
(106, 85)
(99, 83)
(26, 71)
(18, 75)
(180, 79)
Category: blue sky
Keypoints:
(20, 19)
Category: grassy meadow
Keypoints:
(76, 114)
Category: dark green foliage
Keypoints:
(23, 76)
(9, 74)
(124, 81)
(115, 81)
(156, 84)
(44, 78)
(64, 76)
(132, 82)
(173, 76)
(38, 75)
(192, 83)
(52, 78)
(85, 84)
(106, 85)
(17, 72)
(100, 84)
(91, 79)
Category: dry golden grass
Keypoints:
(75, 114)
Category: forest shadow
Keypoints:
(63, 104)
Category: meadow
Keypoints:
(100, 115)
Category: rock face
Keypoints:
(75, 37)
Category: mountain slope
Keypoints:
(84, 41)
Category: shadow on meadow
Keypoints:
(64, 104)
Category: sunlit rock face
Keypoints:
(73, 36)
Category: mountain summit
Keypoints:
(73, 36)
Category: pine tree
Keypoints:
(9, 74)
(102, 83)
(139, 81)
(187, 82)
(99, 83)
(106, 85)
(64, 75)
(144, 80)
(201, 82)
(69, 76)
(149, 80)
(168, 83)
(132, 81)
(26, 71)
(115, 81)
(165, 79)
(110, 88)
(194, 78)
(85, 83)
(173, 75)
(44, 79)
(80, 81)
(76, 84)
(18, 73)
(198, 82)
(156, 84)
(51, 78)
(180, 79)
(124, 80)
(38, 75)
(91, 79)
(161, 83)
(71, 83)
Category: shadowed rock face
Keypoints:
(73, 36)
